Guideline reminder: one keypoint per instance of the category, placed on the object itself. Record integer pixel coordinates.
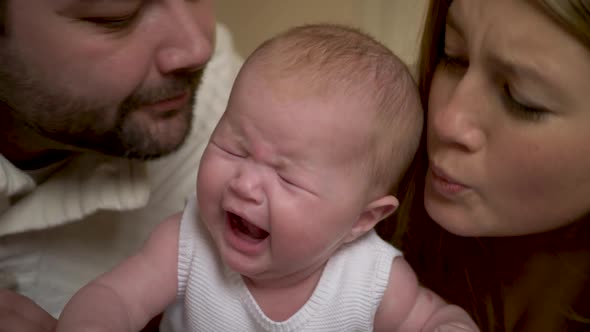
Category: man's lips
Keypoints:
(170, 104)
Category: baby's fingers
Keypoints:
(451, 318)
(19, 313)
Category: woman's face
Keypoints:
(508, 122)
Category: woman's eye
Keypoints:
(454, 63)
(113, 22)
(521, 109)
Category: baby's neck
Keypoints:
(281, 300)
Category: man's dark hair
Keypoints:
(3, 17)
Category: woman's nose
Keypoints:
(455, 115)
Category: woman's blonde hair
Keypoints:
(478, 273)
(573, 15)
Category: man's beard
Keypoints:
(90, 123)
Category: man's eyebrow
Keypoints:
(98, 1)
(71, 3)
(77, 4)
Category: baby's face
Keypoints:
(280, 184)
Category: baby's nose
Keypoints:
(247, 184)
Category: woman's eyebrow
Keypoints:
(528, 69)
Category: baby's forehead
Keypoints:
(288, 83)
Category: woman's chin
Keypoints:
(454, 220)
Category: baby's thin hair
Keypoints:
(343, 60)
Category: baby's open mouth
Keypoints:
(246, 228)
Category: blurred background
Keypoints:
(396, 23)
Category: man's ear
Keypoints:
(373, 213)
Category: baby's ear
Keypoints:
(373, 213)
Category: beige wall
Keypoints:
(396, 23)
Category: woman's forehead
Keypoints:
(515, 37)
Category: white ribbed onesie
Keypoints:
(216, 299)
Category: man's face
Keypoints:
(114, 76)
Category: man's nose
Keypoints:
(187, 43)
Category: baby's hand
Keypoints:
(19, 313)
(451, 318)
(407, 306)
(454, 327)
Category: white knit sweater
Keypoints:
(214, 298)
(95, 210)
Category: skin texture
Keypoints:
(507, 123)
(275, 162)
(267, 162)
(125, 295)
(84, 75)
(18, 313)
(80, 75)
